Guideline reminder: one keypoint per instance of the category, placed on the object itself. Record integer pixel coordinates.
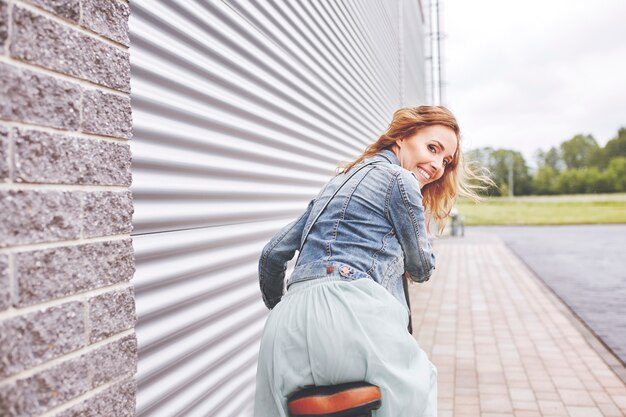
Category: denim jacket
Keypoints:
(374, 228)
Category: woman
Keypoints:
(344, 316)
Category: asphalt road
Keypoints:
(585, 265)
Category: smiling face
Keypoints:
(427, 152)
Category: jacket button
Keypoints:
(329, 269)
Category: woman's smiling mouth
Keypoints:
(423, 173)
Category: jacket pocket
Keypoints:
(395, 268)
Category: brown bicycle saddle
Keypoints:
(343, 400)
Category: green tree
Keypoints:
(596, 181)
(499, 166)
(616, 173)
(580, 151)
(482, 158)
(613, 148)
(617, 145)
(497, 162)
(571, 181)
(544, 181)
(550, 158)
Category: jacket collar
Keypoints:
(389, 156)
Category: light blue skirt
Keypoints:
(328, 331)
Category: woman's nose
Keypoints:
(438, 168)
(436, 165)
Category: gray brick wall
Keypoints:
(67, 305)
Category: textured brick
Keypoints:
(116, 401)
(4, 154)
(114, 360)
(51, 387)
(30, 97)
(51, 273)
(66, 9)
(4, 19)
(42, 157)
(108, 18)
(5, 288)
(111, 313)
(107, 213)
(35, 338)
(107, 114)
(42, 41)
(39, 216)
(46, 389)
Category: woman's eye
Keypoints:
(432, 148)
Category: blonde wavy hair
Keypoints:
(459, 178)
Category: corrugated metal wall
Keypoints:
(241, 111)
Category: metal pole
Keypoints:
(510, 175)
(432, 51)
(438, 52)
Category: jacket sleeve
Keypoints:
(276, 253)
(406, 214)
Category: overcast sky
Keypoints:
(530, 74)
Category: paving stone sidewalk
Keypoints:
(503, 343)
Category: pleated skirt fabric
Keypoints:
(328, 331)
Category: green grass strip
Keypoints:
(536, 210)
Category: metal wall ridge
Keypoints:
(224, 361)
(289, 80)
(169, 338)
(237, 327)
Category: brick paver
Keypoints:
(503, 344)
